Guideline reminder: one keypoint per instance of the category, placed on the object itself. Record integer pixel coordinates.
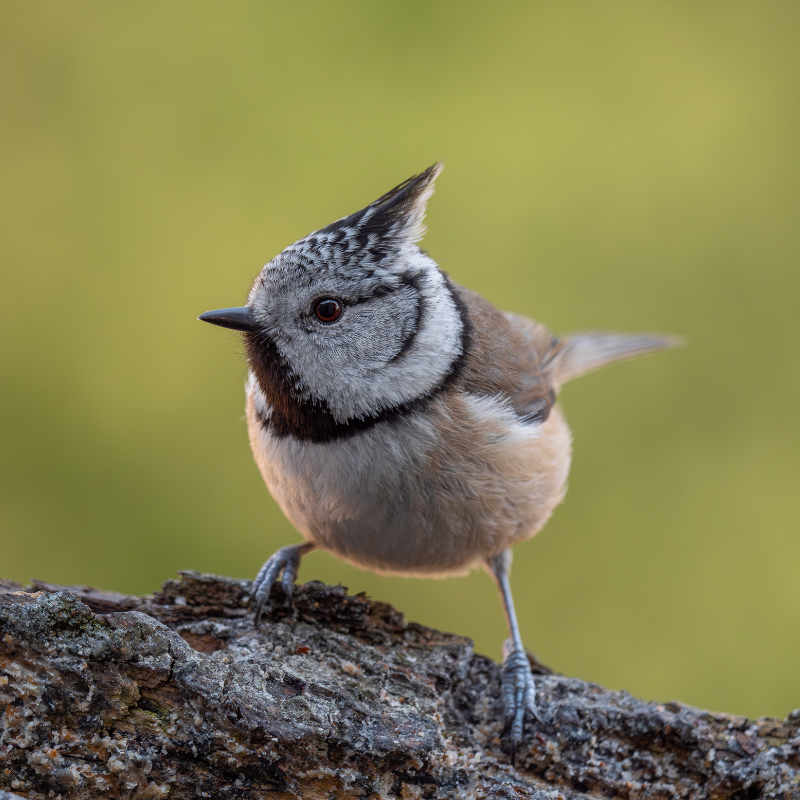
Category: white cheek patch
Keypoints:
(375, 373)
(354, 348)
(389, 350)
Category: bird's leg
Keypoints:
(286, 560)
(519, 692)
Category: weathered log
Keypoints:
(177, 695)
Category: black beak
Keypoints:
(238, 319)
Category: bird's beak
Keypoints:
(238, 319)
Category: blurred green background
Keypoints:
(610, 165)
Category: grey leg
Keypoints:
(287, 560)
(519, 691)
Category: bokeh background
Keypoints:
(610, 165)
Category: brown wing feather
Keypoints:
(509, 355)
(522, 359)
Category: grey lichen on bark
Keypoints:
(177, 695)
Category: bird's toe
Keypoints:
(287, 561)
(519, 695)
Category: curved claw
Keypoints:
(286, 560)
(519, 693)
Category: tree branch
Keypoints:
(177, 695)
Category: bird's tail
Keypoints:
(584, 352)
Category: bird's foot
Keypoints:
(519, 693)
(286, 560)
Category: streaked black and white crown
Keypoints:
(373, 238)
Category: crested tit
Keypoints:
(401, 421)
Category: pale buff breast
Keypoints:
(431, 494)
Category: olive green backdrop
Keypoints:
(620, 165)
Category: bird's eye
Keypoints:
(328, 309)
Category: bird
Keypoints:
(402, 422)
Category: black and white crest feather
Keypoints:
(395, 218)
(375, 236)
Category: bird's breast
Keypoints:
(430, 493)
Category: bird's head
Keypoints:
(352, 322)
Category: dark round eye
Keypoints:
(328, 309)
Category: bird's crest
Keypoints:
(373, 237)
(397, 216)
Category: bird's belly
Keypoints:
(432, 493)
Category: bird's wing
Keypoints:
(511, 356)
(521, 358)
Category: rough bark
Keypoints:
(177, 695)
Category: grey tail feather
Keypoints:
(584, 352)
